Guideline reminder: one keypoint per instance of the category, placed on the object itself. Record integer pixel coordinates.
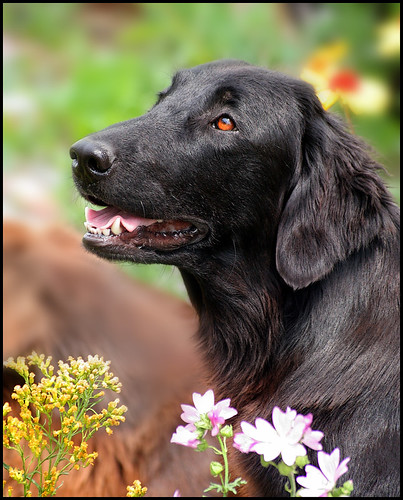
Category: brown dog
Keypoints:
(60, 300)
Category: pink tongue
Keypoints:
(105, 217)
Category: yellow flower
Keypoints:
(19, 366)
(333, 82)
(16, 474)
(75, 381)
(6, 409)
(136, 490)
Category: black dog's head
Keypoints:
(231, 155)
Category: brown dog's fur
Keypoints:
(60, 300)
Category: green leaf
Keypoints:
(214, 486)
(202, 446)
(236, 484)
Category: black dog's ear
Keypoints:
(336, 206)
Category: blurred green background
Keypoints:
(74, 68)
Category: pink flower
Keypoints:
(242, 441)
(202, 404)
(186, 436)
(282, 438)
(217, 413)
(318, 482)
(310, 438)
(286, 437)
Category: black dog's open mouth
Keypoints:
(112, 227)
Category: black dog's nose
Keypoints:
(91, 157)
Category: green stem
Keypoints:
(293, 485)
(226, 471)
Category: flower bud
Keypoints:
(227, 431)
(348, 487)
(216, 468)
(301, 461)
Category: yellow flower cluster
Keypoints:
(27, 428)
(136, 490)
(80, 455)
(50, 482)
(73, 392)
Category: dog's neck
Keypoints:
(239, 312)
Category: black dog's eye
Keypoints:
(225, 123)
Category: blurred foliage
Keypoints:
(74, 68)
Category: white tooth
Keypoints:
(160, 220)
(106, 232)
(86, 225)
(86, 212)
(115, 228)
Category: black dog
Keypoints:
(287, 241)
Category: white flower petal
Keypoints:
(342, 468)
(225, 410)
(265, 431)
(270, 451)
(295, 434)
(284, 422)
(291, 414)
(250, 430)
(243, 442)
(329, 463)
(290, 452)
(190, 414)
(314, 478)
(204, 403)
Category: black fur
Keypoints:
(296, 282)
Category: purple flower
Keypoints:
(282, 438)
(318, 482)
(186, 436)
(217, 413)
